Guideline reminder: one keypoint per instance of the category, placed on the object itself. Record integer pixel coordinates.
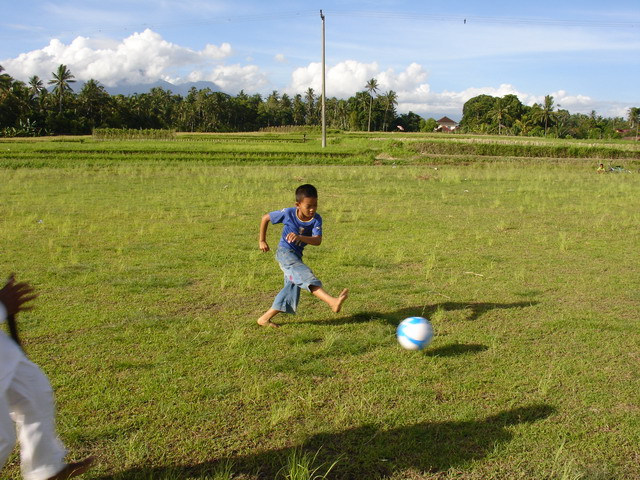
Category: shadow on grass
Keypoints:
(455, 349)
(370, 452)
(476, 310)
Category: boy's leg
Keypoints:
(301, 275)
(31, 402)
(265, 320)
(286, 301)
(7, 431)
(334, 302)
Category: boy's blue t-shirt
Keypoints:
(292, 223)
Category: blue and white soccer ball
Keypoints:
(414, 333)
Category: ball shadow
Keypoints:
(455, 349)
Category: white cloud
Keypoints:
(415, 94)
(348, 77)
(140, 58)
(342, 80)
(217, 53)
(145, 57)
(420, 99)
(230, 78)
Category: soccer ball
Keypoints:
(414, 333)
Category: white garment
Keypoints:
(26, 401)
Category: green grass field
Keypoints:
(145, 257)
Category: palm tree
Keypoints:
(35, 86)
(285, 110)
(310, 98)
(342, 114)
(521, 126)
(93, 99)
(37, 93)
(390, 102)
(5, 80)
(500, 114)
(61, 80)
(547, 112)
(372, 88)
(298, 110)
(271, 108)
(563, 117)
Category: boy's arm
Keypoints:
(262, 239)
(315, 240)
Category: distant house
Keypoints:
(445, 124)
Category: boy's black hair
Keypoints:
(306, 191)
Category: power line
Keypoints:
(469, 19)
(428, 17)
(424, 16)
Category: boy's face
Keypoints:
(307, 208)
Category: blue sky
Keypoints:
(434, 55)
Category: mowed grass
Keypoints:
(150, 283)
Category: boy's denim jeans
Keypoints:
(296, 276)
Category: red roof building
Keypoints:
(445, 124)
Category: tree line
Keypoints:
(507, 115)
(32, 109)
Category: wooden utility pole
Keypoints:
(324, 122)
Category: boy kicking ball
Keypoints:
(302, 226)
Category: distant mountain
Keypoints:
(181, 89)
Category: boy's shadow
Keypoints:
(475, 311)
(369, 451)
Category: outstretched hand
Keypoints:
(14, 296)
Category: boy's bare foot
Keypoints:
(268, 323)
(74, 469)
(265, 320)
(337, 306)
